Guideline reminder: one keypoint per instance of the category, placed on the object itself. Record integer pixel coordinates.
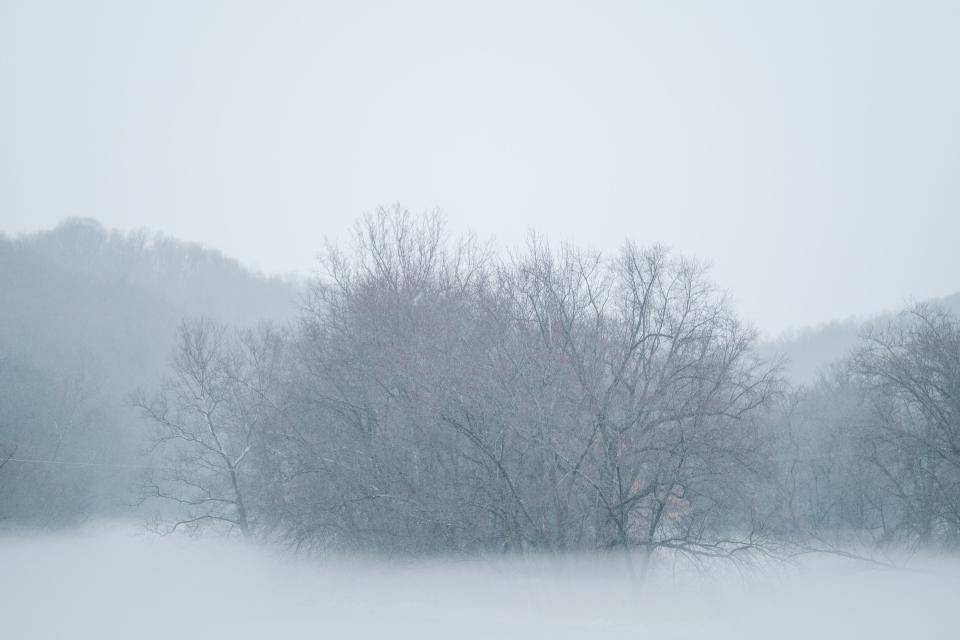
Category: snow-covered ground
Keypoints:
(111, 583)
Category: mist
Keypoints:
(536, 319)
(434, 437)
(111, 582)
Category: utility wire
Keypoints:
(77, 464)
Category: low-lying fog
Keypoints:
(115, 582)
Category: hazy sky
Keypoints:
(810, 151)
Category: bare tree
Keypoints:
(665, 380)
(557, 400)
(869, 455)
(208, 419)
(911, 367)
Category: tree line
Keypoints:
(435, 396)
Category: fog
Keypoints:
(526, 319)
(108, 582)
(433, 438)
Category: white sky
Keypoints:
(809, 150)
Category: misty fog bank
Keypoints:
(646, 323)
(433, 396)
(109, 582)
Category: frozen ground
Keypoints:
(109, 583)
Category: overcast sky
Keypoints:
(810, 151)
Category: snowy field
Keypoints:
(105, 584)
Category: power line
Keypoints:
(77, 464)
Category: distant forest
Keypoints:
(428, 394)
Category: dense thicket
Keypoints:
(872, 451)
(434, 396)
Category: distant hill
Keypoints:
(86, 317)
(808, 351)
(190, 276)
(111, 301)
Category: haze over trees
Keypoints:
(86, 317)
(428, 394)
